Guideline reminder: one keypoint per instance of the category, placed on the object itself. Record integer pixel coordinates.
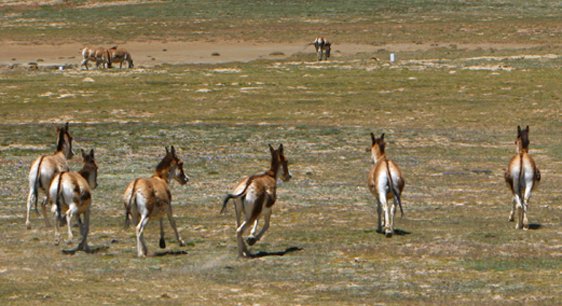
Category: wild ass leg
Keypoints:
(266, 217)
(84, 63)
(162, 241)
(174, 227)
(141, 246)
(519, 209)
(513, 209)
(238, 207)
(69, 215)
(252, 238)
(57, 233)
(84, 229)
(388, 222)
(44, 209)
(242, 248)
(379, 212)
(528, 188)
(30, 199)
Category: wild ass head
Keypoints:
(280, 164)
(522, 141)
(173, 164)
(377, 147)
(90, 169)
(64, 141)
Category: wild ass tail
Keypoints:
(131, 202)
(518, 186)
(37, 182)
(395, 192)
(235, 196)
(57, 199)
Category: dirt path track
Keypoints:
(155, 53)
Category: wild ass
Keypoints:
(44, 168)
(322, 46)
(99, 55)
(150, 198)
(120, 55)
(521, 176)
(386, 183)
(71, 193)
(255, 196)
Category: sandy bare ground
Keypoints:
(154, 53)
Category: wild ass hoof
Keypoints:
(57, 241)
(28, 225)
(181, 243)
(388, 234)
(69, 242)
(162, 243)
(252, 240)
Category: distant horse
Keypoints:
(386, 183)
(255, 196)
(120, 55)
(71, 193)
(44, 168)
(99, 55)
(151, 198)
(322, 46)
(522, 176)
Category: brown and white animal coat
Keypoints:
(255, 196)
(120, 55)
(522, 176)
(99, 55)
(322, 46)
(71, 193)
(150, 198)
(386, 183)
(44, 168)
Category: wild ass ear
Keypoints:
(373, 139)
(66, 126)
(92, 153)
(174, 152)
(280, 148)
(518, 131)
(56, 127)
(166, 150)
(271, 149)
(527, 129)
(382, 136)
(83, 154)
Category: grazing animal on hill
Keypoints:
(120, 55)
(386, 183)
(99, 55)
(322, 46)
(44, 168)
(71, 193)
(255, 196)
(522, 176)
(151, 198)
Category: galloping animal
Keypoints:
(71, 193)
(322, 46)
(151, 198)
(99, 55)
(120, 55)
(255, 196)
(522, 176)
(386, 183)
(44, 168)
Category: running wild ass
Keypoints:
(120, 55)
(386, 183)
(150, 198)
(99, 55)
(255, 196)
(44, 168)
(322, 46)
(71, 193)
(522, 176)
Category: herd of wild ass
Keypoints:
(106, 57)
(69, 193)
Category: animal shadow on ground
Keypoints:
(164, 253)
(281, 253)
(397, 232)
(91, 251)
(534, 226)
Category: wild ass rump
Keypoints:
(150, 198)
(255, 196)
(386, 183)
(99, 55)
(522, 176)
(71, 193)
(120, 55)
(44, 168)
